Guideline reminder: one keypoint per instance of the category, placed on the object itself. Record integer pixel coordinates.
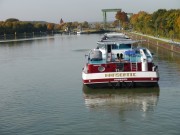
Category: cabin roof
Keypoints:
(110, 42)
(114, 34)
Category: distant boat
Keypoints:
(114, 36)
(79, 32)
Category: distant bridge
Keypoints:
(105, 16)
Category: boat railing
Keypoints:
(103, 61)
(133, 58)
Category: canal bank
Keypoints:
(155, 41)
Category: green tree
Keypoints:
(12, 20)
(85, 24)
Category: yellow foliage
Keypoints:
(178, 22)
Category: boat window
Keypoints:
(101, 46)
(124, 46)
(145, 52)
(109, 48)
(137, 52)
(114, 47)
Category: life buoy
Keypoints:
(101, 68)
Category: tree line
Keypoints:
(165, 23)
(13, 25)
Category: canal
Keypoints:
(41, 92)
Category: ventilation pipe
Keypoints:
(144, 61)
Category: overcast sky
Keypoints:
(76, 10)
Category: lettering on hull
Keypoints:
(120, 75)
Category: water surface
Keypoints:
(41, 93)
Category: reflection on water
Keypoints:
(144, 99)
(163, 54)
(82, 50)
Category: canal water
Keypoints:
(41, 93)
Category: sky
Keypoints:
(77, 10)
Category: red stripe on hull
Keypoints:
(91, 81)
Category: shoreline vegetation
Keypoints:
(161, 24)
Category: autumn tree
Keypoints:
(134, 20)
(122, 17)
(142, 23)
(162, 22)
(178, 23)
(50, 26)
